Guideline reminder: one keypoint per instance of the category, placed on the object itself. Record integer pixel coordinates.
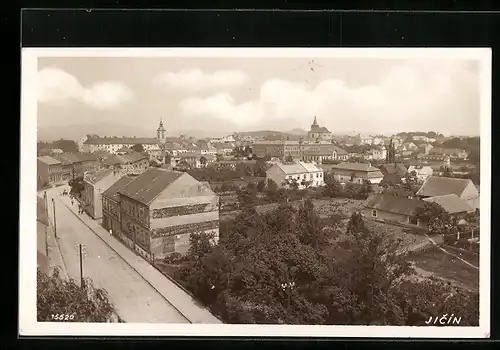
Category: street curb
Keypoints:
(128, 263)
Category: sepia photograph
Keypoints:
(255, 192)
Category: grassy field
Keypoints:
(447, 267)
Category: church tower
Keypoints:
(314, 124)
(160, 132)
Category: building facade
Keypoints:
(49, 171)
(94, 185)
(111, 206)
(302, 173)
(394, 209)
(160, 209)
(356, 172)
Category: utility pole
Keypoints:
(82, 283)
(55, 223)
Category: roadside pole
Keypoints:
(55, 221)
(82, 283)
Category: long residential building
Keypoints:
(49, 171)
(317, 151)
(113, 144)
(111, 206)
(355, 172)
(94, 185)
(302, 173)
(160, 209)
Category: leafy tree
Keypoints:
(309, 225)
(437, 219)
(332, 188)
(219, 157)
(137, 148)
(203, 161)
(59, 296)
(261, 185)
(289, 158)
(77, 185)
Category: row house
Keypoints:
(111, 205)
(355, 172)
(114, 144)
(129, 163)
(303, 173)
(94, 185)
(160, 209)
(49, 171)
(438, 153)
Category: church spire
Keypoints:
(315, 122)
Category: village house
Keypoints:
(160, 209)
(356, 172)
(438, 153)
(49, 171)
(394, 210)
(94, 185)
(304, 174)
(128, 163)
(452, 204)
(438, 186)
(425, 149)
(206, 148)
(393, 168)
(111, 206)
(377, 153)
(193, 161)
(408, 146)
(420, 172)
(224, 148)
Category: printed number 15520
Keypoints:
(62, 317)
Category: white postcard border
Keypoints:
(27, 255)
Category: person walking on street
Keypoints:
(111, 232)
(71, 201)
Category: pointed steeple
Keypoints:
(315, 122)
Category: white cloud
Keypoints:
(196, 79)
(55, 86)
(417, 95)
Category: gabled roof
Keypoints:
(438, 186)
(147, 186)
(101, 154)
(339, 150)
(356, 167)
(121, 141)
(451, 203)
(86, 157)
(94, 178)
(133, 157)
(112, 192)
(319, 129)
(124, 149)
(393, 204)
(398, 169)
(115, 159)
(48, 160)
(297, 167)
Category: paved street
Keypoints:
(135, 300)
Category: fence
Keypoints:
(464, 240)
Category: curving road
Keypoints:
(135, 300)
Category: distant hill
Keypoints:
(261, 133)
(298, 131)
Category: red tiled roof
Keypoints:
(112, 192)
(393, 204)
(438, 186)
(147, 186)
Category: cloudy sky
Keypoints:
(214, 96)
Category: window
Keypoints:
(374, 213)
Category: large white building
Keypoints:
(112, 144)
(303, 173)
